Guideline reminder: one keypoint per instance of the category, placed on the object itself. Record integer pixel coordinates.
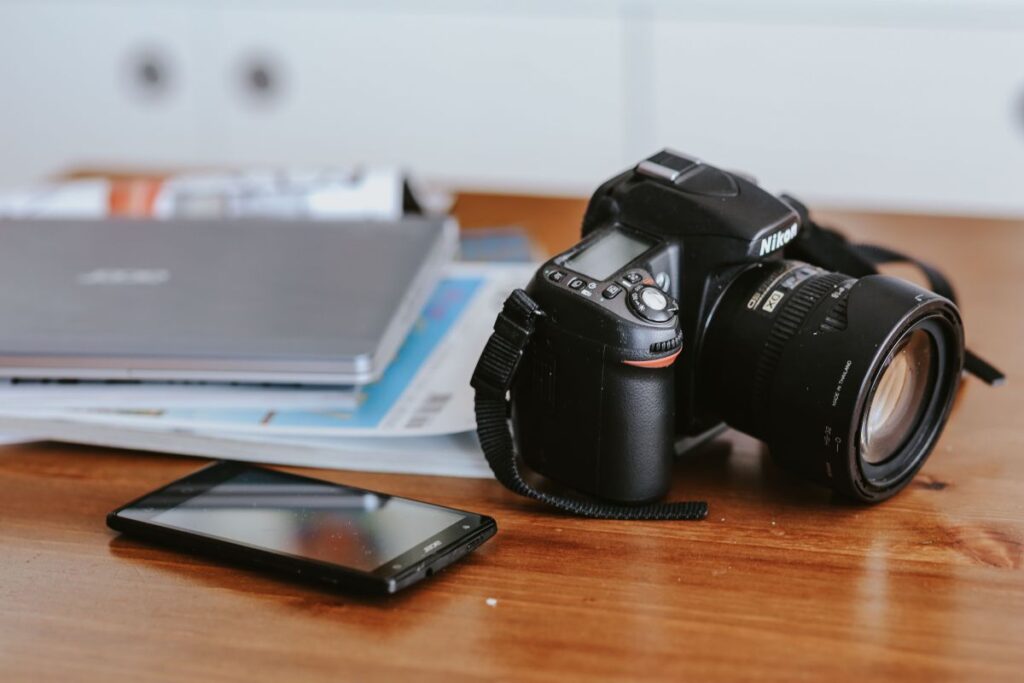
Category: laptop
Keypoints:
(311, 302)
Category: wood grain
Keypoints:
(781, 582)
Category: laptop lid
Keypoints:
(235, 300)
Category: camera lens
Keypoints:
(896, 402)
(849, 381)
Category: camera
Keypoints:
(685, 308)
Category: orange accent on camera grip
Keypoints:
(654, 363)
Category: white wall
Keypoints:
(898, 104)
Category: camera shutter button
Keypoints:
(654, 299)
(650, 303)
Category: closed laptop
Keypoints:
(249, 300)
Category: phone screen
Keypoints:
(298, 516)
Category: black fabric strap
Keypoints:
(492, 380)
(829, 249)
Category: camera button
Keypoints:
(651, 304)
(633, 277)
(611, 291)
(654, 299)
(577, 283)
(556, 275)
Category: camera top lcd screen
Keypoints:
(306, 518)
(607, 254)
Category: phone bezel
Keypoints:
(415, 563)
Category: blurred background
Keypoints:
(897, 105)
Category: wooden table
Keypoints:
(780, 583)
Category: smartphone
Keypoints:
(350, 538)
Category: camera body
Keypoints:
(678, 313)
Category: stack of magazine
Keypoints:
(417, 417)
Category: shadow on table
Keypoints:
(290, 590)
(732, 468)
(735, 466)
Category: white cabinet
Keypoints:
(71, 92)
(469, 96)
(906, 118)
(898, 105)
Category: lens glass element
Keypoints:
(895, 407)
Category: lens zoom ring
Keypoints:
(787, 322)
(835, 320)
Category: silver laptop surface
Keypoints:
(248, 301)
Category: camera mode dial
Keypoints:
(651, 304)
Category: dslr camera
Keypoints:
(697, 300)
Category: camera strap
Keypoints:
(492, 380)
(829, 249)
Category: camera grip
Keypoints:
(493, 378)
(589, 419)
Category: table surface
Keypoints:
(781, 582)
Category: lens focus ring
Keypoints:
(788, 320)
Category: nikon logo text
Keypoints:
(777, 240)
(125, 276)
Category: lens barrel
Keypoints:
(849, 381)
